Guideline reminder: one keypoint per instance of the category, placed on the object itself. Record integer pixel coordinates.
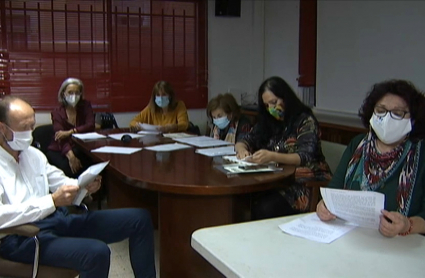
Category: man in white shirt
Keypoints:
(70, 241)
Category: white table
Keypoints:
(260, 249)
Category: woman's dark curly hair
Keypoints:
(406, 90)
(293, 108)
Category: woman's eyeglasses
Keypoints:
(395, 114)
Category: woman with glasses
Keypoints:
(389, 158)
(287, 132)
(74, 115)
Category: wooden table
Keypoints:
(260, 249)
(184, 192)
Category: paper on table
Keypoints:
(234, 159)
(89, 135)
(149, 127)
(119, 150)
(178, 135)
(312, 228)
(117, 136)
(202, 141)
(147, 132)
(86, 178)
(167, 147)
(217, 151)
(362, 208)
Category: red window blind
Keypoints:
(118, 48)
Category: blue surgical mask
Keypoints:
(162, 101)
(222, 122)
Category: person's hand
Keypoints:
(263, 156)
(95, 185)
(74, 162)
(241, 154)
(393, 223)
(64, 195)
(323, 213)
(62, 134)
(135, 128)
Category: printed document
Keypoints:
(89, 136)
(149, 127)
(167, 147)
(86, 178)
(312, 228)
(362, 208)
(118, 150)
(178, 135)
(202, 141)
(217, 151)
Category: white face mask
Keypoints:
(21, 140)
(72, 100)
(390, 130)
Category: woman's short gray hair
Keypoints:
(65, 84)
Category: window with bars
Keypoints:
(118, 48)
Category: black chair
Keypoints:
(43, 136)
(193, 129)
(106, 120)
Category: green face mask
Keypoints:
(277, 112)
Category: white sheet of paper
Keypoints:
(234, 159)
(167, 147)
(178, 135)
(202, 141)
(149, 127)
(118, 150)
(86, 178)
(147, 132)
(362, 208)
(217, 151)
(312, 228)
(117, 136)
(89, 136)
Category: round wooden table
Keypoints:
(184, 191)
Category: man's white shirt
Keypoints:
(25, 187)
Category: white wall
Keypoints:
(364, 42)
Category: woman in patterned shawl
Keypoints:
(287, 133)
(388, 158)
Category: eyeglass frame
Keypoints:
(78, 93)
(391, 113)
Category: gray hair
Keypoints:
(65, 84)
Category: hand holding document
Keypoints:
(86, 178)
(362, 208)
(312, 228)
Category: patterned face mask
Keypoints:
(277, 112)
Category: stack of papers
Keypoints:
(202, 141)
(118, 150)
(167, 147)
(178, 135)
(217, 151)
(89, 136)
(118, 136)
(234, 159)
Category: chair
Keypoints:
(18, 270)
(193, 129)
(105, 120)
(42, 137)
(333, 153)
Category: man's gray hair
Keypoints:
(65, 84)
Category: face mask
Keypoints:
(277, 112)
(162, 101)
(389, 130)
(72, 100)
(222, 122)
(21, 140)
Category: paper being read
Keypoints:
(362, 208)
(149, 127)
(86, 178)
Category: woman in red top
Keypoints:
(74, 115)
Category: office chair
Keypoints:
(42, 137)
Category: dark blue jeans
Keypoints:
(79, 241)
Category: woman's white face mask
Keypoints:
(21, 140)
(389, 130)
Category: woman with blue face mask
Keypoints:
(389, 158)
(74, 115)
(163, 110)
(287, 132)
(228, 123)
